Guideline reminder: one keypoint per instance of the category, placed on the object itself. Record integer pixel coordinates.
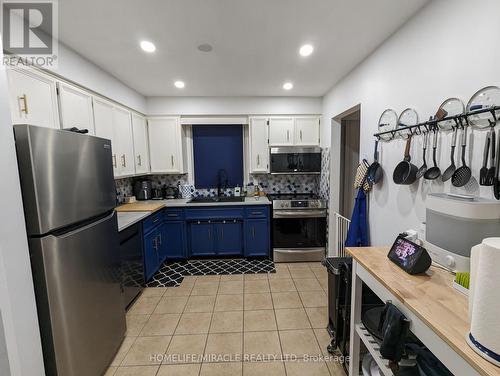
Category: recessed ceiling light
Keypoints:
(306, 50)
(288, 86)
(205, 47)
(179, 84)
(148, 46)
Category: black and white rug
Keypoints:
(172, 274)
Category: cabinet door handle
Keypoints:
(253, 232)
(301, 135)
(258, 160)
(159, 240)
(209, 234)
(155, 244)
(222, 233)
(139, 160)
(288, 135)
(114, 160)
(172, 160)
(24, 98)
(124, 164)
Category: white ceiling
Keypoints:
(255, 42)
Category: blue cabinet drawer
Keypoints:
(174, 214)
(213, 214)
(152, 221)
(257, 212)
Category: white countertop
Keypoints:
(126, 219)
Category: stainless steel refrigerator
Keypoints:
(69, 198)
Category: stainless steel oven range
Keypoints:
(298, 227)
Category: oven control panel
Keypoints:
(299, 204)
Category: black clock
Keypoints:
(409, 256)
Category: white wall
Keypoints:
(17, 299)
(233, 105)
(76, 68)
(449, 49)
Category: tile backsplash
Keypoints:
(318, 184)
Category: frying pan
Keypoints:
(405, 172)
(375, 172)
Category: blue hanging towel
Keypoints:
(358, 229)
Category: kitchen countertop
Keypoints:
(430, 297)
(127, 219)
(183, 202)
(129, 214)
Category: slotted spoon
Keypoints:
(448, 173)
(463, 174)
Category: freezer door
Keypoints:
(66, 177)
(79, 299)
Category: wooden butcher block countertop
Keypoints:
(141, 207)
(431, 297)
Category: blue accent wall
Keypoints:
(215, 148)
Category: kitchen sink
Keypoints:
(216, 199)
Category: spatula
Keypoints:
(483, 172)
(490, 176)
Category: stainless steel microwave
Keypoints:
(295, 160)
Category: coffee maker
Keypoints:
(143, 190)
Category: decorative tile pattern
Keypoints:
(172, 274)
(287, 183)
(324, 182)
(268, 183)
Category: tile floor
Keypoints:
(252, 324)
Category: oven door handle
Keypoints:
(299, 213)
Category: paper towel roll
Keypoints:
(485, 320)
(474, 259)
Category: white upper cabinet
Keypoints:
(165, 145)
(103, 120)
(33, 98)
(294, 131)
(281, 131)
(307, 131)
(259, 145)
(75, 108)
(122, 129)
(115, 123)
(140, 133)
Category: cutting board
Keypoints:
(140, 207)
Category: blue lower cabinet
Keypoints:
(202, 238)
(151, 256)
(257, 237)
(175, 236)
(163, 242)
(229, 237)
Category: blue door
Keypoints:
(229, 238)
(175, 245)
(202, 238)
(151, 258)
(257, 238)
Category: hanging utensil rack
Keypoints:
(461, 121)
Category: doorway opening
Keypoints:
(349, 160)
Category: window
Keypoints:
(218, 151)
